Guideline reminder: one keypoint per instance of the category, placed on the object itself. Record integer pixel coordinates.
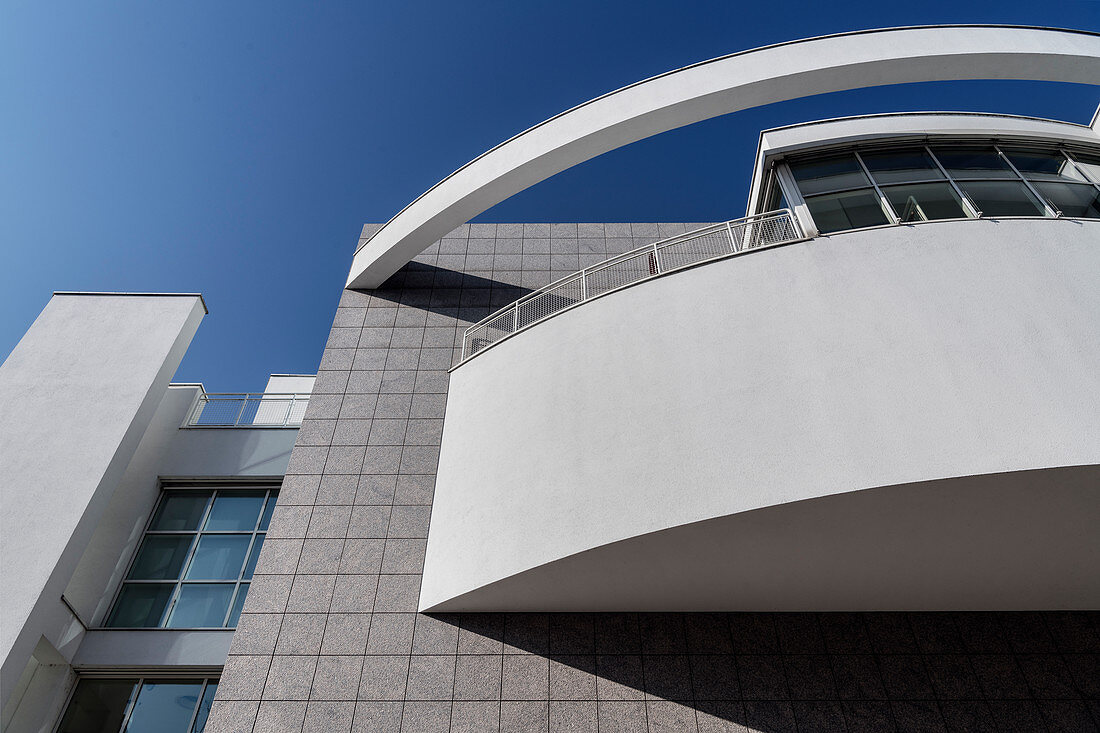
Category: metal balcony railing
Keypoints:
(666, 255)
(248, 410)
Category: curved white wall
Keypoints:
(869, 359)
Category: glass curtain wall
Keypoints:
(911, 183)
(194, 564)
(139, 706)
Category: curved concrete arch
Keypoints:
(720, 86)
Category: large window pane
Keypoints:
(141, 604)
(204, 707)
(852, 210)
(973, 162)
(98, 706)
(219, 557)
(1072, 199)
(180, 510)
(1002, 198)
(1038, 165)
(164, 707)
(925, 201)
(161, 557)
(901, 164)
(830, 173)
(201, 605)
(235, 511)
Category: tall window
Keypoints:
(880, 185)
(194, 564)
(139, 706)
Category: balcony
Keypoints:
(247, 410)
(662, 257)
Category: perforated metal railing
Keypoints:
(666, 255)
(248, 410)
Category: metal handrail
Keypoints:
(666, 255)
(248, 410)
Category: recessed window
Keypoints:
(139, 706)
(876, 185)
(193, 566)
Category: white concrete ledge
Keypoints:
(717, 87)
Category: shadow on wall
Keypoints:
(787, 672)
(465, 296)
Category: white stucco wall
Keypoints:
(76, 395)
(866, 359)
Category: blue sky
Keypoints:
(236, 149)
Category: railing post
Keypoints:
(656, 259)
(733, 242)
(289, 410)
(515, 316)
(584, 285)
(240, 412)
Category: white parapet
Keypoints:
(894, 418)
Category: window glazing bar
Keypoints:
(883, 202)
(1049, 208)
(969, 206)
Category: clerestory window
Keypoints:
(196, 559)
(874, 186)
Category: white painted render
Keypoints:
(76, 395)
(716, 87)
(732, 394)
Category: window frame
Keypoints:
(164, 490)
(207, 677)
(794, 195)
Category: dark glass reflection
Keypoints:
(253, 556)
(900, 165)
(265, 520)
(851, 210)
(1038, 165)
(141, 605)
(97, 706)
(1002, 198)
(161, 557)
(1072, 199)
(924, 201)
(180, 510)
(164, 707)
(973, 162)
(238, 604)
(829, 173)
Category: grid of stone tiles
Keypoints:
(330, 641)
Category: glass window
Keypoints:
(828, 173)
(900, 165)
(925, 201)
(139, 706)
(201, 605)
(97, 705)
(194, 539)
(836, 212)
(973, 162)
(1072, 199)
(164, 706)
(1002, 198)
(1090, 164)
(1037, 165)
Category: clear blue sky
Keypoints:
(236, 148)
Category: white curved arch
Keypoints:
(716, 87)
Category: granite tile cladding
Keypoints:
(330, 639)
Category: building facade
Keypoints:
(828, 466)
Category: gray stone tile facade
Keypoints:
(330, 641)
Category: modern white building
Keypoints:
(832, 465)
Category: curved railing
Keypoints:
(666, 255)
